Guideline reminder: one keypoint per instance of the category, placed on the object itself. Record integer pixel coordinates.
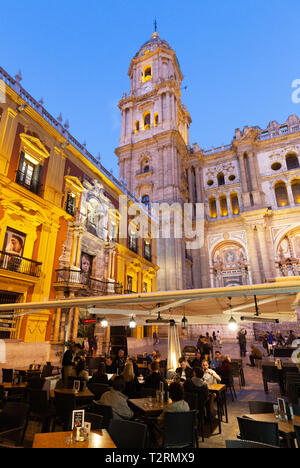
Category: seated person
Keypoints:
(210, 376)
(117, 400)
(136, 370)
(130, 380)
(120, 361)
(255, 354)
(111, 368)
(217, 360)
(197, 385)
(184, 371)
(100, 376)
(154, 378)
(225, 370)
(197, 361)
(153, 356)
(178, 404)
(79, 370)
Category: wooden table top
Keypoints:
(69, 391)
(97, 439)
(10, 385)
(284, 426)
(216, 387)
(148, 406)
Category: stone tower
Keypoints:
(154, 144)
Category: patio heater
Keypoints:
(174, 352)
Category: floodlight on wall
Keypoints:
(104, 323)
(232, 324)
(132, 323)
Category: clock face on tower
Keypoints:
(147, 87)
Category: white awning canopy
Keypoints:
(277, 300)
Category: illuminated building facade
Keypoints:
(250, 188)
(59, 223)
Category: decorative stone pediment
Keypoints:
(75, 183)
(33, 144)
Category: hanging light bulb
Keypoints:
(104, 323)
(232, 324)
(132, 323)
(184, 323)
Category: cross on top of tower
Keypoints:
(155, 34)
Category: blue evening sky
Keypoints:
(239, 59)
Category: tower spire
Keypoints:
(155, 34)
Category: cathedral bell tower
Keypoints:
(153, 143)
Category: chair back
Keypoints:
(192, 400)
(128, 434)
(98, 389)
(270, 373)
(64, 404)
(238, 444)
(7, 375)
(96, 421)
(261, 407)
(38, 401)
(297, 432)
(235, 368)
(146, 392)
(15, 415)
(296, 410)
(47, 371)
(257, 431)
(105, 411)
(179, 429)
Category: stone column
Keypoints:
(253, 254)
(243, 173)
(57, 324)
(261, 233)
(290, 194)
(75, 323)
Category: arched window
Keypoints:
(281, 194)
(213, 208)
(296, 191)
(147, 120)
(223, 206)
(221, 179)
(235, 206)
(147, 73)
(146, 200)
(156, 120)
(292, 162)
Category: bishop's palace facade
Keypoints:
(250, 189)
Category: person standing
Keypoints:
(241, 337)
(68, 361)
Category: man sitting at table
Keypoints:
(117, 400)
(209, 375)
(255, 354)
(184, 371)
(197, 361)
(120, 361)
(197, 385)
(111, 368)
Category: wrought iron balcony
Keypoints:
(86, 284)
(19, 264)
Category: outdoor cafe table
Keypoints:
(85, 394)
(286, 428)
(12, 386)
(148, 406)
(97, 439)
(220, 391)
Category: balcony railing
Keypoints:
(19, 264)
(70, 277)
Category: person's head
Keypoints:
(182, 363)
(118, 383)
(176, 391)
(75, 347)
(198, 356)
(121, 353)
(198, 372)
(108, 361)
(85, 263)
(205, 365)
(154, 366)
(101, 368)
(217, 355)
(17, 244)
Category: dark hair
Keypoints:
(198, 372)
(154, 366)
(118, 383)
(80, 366)
(176, 391)
(182, 359)
(101, 368)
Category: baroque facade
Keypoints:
(250, 188)
(59, 223)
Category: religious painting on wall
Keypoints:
(86, 265)
(14, 243)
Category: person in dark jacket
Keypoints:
(184, 371)
(111, 368)
(241, 337)
(197, 385)
(100, 376)
(154, 379)
(68, 361)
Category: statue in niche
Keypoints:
(297, 246)
(230, 257)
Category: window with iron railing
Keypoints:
(29, 173)
(147, 251)
(133, 244)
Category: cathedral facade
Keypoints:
(250, 189)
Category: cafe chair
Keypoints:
(13, 422)
(128, 434)
(147, 392)
(105, 411)
(47, 370)
(7, 375)
(98, 389)
(239, 444)
(195, 403)
(296, 410)
(236, 372)
(297, 432)
(261, 407)
(228, 381)
(180, 430)
(64, 404)
(40, 409)
(257, 431)
(270, 374)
